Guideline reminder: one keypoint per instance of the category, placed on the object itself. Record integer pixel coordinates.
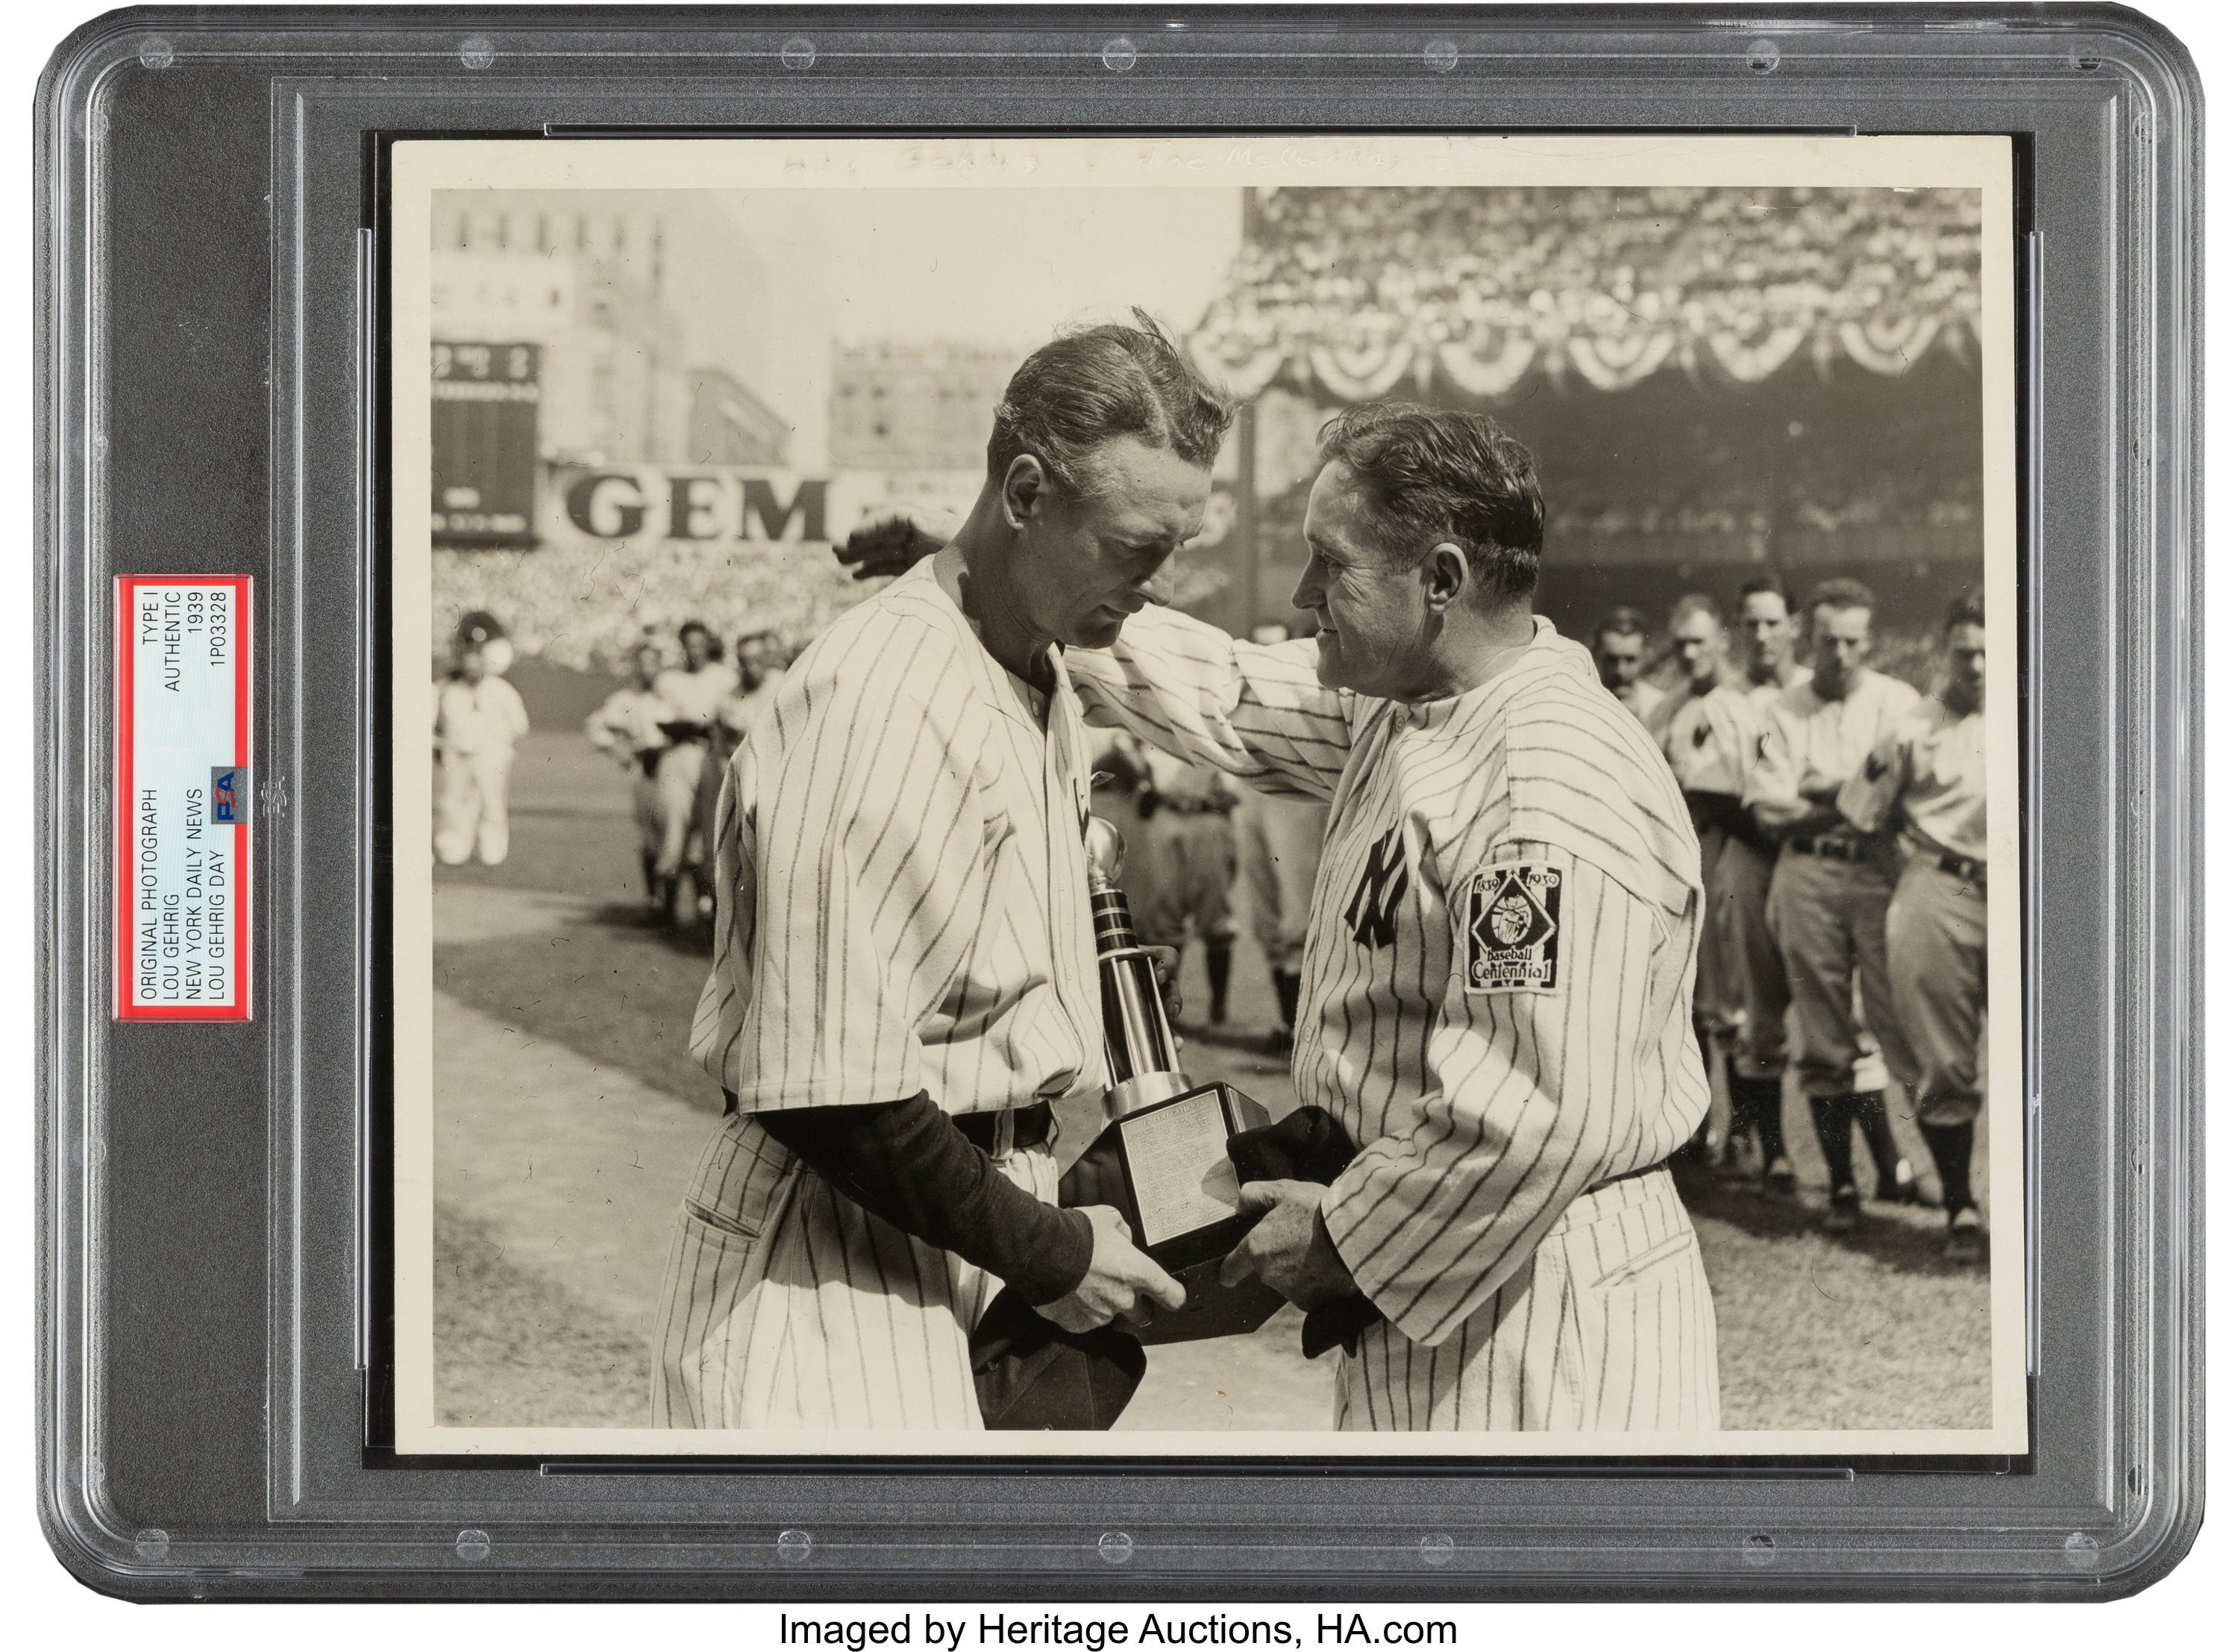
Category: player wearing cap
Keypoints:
(1929, 782)
(1500, 960)
(1828, 907)
(479, 721)
(905, 980)
(1619, 654)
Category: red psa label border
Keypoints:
(183, 805)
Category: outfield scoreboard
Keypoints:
(483, 426)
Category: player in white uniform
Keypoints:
(1498, 969)
(905, 974)
(695, 692)
(1620, 652)
(754, 657)
(1727, 740)
(1682, 723)
(1829, 902)
(1929, 781)
(627, 728)
(479, 721)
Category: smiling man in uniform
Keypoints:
(1499, 963)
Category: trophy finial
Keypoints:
(1107, 853)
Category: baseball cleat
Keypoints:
(1968, 1241)
(1779, 1180)
(1841, 1212)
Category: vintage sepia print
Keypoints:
(1263, 794)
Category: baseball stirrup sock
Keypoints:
(1872, 1113)
(1832, 1116)
(1756, 1106)
(1218, 955)
(1285, 996)
(1953, 1147)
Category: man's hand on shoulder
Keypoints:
(1121, 1283)
(1290, 1248)
(895, 543)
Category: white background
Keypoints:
(43, 1601)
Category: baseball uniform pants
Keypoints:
(1609, 1327)
(786, 1306)
(1278, 851)
(470, 817)
(1193, 858)
(678, 778)
(1938, 969)
(1739, 888)
(1717, 996)
(1831, 920)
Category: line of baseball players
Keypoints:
(1844, 825)
(672, 727)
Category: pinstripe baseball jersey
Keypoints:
(1495, 1002)
(902, 906)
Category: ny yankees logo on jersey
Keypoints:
(1373, 913)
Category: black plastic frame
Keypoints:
(209, 399)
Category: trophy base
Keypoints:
(1165, 1167)
(1212, 1308)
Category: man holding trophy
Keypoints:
(905, 978)
(1500, 965)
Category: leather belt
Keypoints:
(1959, 866)
(1030, 1126)
(1629, 1175)
(1853, 850)
(1963, 866)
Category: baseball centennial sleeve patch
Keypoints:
(1514, 928)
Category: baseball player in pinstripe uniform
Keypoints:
(1499, 970)
(1929, 781)
(905, 974)
(1828, 907)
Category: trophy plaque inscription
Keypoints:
(1163, 1159)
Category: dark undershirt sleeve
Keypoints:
(906, 1164)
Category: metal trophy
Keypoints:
(1162, 1159)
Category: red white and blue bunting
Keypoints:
(1352, 294)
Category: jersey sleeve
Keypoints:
(1258, 712)
(851, 859)
(1868, 797)
(1554, 997)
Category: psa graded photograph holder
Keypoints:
(613, 585)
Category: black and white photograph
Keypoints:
(1212, 796)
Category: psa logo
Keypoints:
(229, 796)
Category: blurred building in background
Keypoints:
(569, 331)
(912, 406)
